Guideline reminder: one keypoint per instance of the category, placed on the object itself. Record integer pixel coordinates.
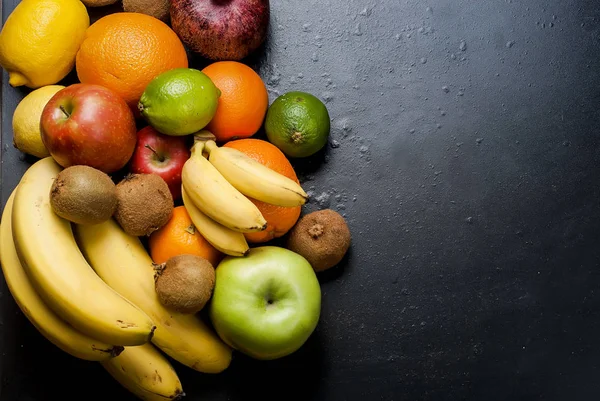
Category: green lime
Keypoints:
(180, 101)
(298, 124)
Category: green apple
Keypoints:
(267, 303)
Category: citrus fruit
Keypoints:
(298, 124)
(243, 102)
(26, 121)
(279, 219)
(180, 101)
(125, 51)
(180, 237)
(39, 41)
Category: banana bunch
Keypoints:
(90, 291)
(216, 189)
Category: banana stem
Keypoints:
(210, 146)
(203, 136)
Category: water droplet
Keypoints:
(439, 126)
(453, 56)
(335, 144)
(366, 12)
(358, 30)
(479, 140)
(462, 46)
(300, 75)
(469, 220)
(412, 131)
(306, 27)
(274, 79)
(363, 149)
(354, 198)
(566, 143)
(327, 96)
(551, 25)
(315, 57)
(398, 36)
(280, 27)
(510, 44)
(341, 206)
(445, 89)
(460, 93)
(323, 199)
(443, 113)
(355, 86)
(429, 9)
(423, 60)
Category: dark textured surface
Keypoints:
(465, 154)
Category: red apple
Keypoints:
(221, 29)
(90, 125)
(160, 154)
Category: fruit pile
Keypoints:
(152, 198)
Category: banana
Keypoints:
(224, 239)
(254, 179)
(56, 330)
(216, 197)
(145, 372)
(124, 264)
(59, 272)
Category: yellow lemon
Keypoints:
(26, 121)
(40, 39)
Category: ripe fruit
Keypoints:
(221, 30)
(83, 195)
(178, 237)
(279, 219)
(26, 121)
(160, 154)
(298, 124)
(155, 8)
(243, 102)
(90, 125)
(266, 304)
(180, 101)
(145, 204)
(184, 283)
(125, 51)
(39, 41)
(322, 237)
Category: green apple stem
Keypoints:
(160, 157)
(62, 108)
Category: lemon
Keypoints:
(40, 39)
(26, 121)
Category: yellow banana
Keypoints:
(216, 197)
(254, 179)
(56, 330)
(124, 264)
(59, 272)
(145, 372)
(224, 239)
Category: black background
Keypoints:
(464, 153)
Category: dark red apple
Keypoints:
(221, 29)
(160, 154)
(90, 125)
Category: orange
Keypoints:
(243, 102)
(179, 237)
(125, 51)
(279, 219)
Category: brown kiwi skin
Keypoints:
(83, 195)
(184, 283)
(321, 237)
(155, 8)
(145, 204)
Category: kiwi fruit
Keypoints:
(155, 8)
(145, 204)
(83, 195)
(184, 283)
(98, 3)
(322, 237)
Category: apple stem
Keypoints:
(160, 157)
(62, 108)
